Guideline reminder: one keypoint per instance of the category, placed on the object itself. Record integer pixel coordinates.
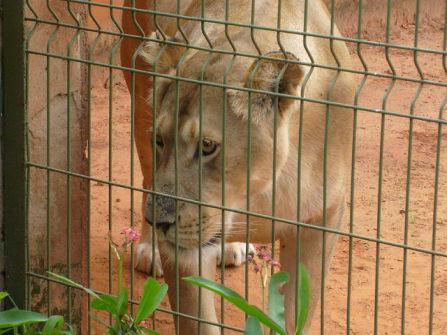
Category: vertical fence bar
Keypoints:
(353, 166)
(435, 217)
(91, 50)
(14, 149)
(70, 45)
(154, 152)
(176, 165)
(276, 84)
(132, 143)
(132, 132)
(436, 190)
(409, 167)
(224, 162)
(201, 108)
(249, 149)
(381, 164)
(299, 164)
(50, 41)
(325, 165)
(154, 155)
(110, 177)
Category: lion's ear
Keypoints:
(280, 73)
(163, 57)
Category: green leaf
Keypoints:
(70, 331)
(304, 299)
(122, 302)
(99, 320)
(253, 327)
(17, 317)
(153, 294)
(70, 282)
(276, 298)
(236, 300)
(3, 295)
(106, 303)
(54, 325)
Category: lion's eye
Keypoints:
(159, 142)
(208, 147)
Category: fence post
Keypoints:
(13, 141)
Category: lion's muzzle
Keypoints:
(161, 212)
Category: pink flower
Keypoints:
(276, 264)
(131, 234)
(260, 248)
(144, 324)
(266, 257)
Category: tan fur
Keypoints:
(280, 73)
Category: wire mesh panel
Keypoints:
(213, 125)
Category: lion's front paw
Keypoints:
(235, 253)
(143, 256)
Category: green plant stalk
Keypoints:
(264, 278)
(264, 327)
(263, 298)
(120, 273)
(120, 284)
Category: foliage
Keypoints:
(117, 306)
(18, 321)
(31, 323)
(24, 322)
(123, 322)
(274, 320)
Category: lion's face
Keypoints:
(204, 142)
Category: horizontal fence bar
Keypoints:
(273, 29)
(243, 54)
(238, 88)
(244, 212)
(136, 302)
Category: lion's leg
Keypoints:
(235, 253)
(189, 294)
(144, 252)
(310, 250)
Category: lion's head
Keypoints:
(211, 137)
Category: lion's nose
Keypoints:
(164, 213)
(164, 226)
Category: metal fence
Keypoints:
(72, 174)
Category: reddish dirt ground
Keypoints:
(115, 208)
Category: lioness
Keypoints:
(291, 141)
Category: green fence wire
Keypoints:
(25, 20)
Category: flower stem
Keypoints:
(263, 299)
(120, 273)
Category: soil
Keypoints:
(113, 206)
